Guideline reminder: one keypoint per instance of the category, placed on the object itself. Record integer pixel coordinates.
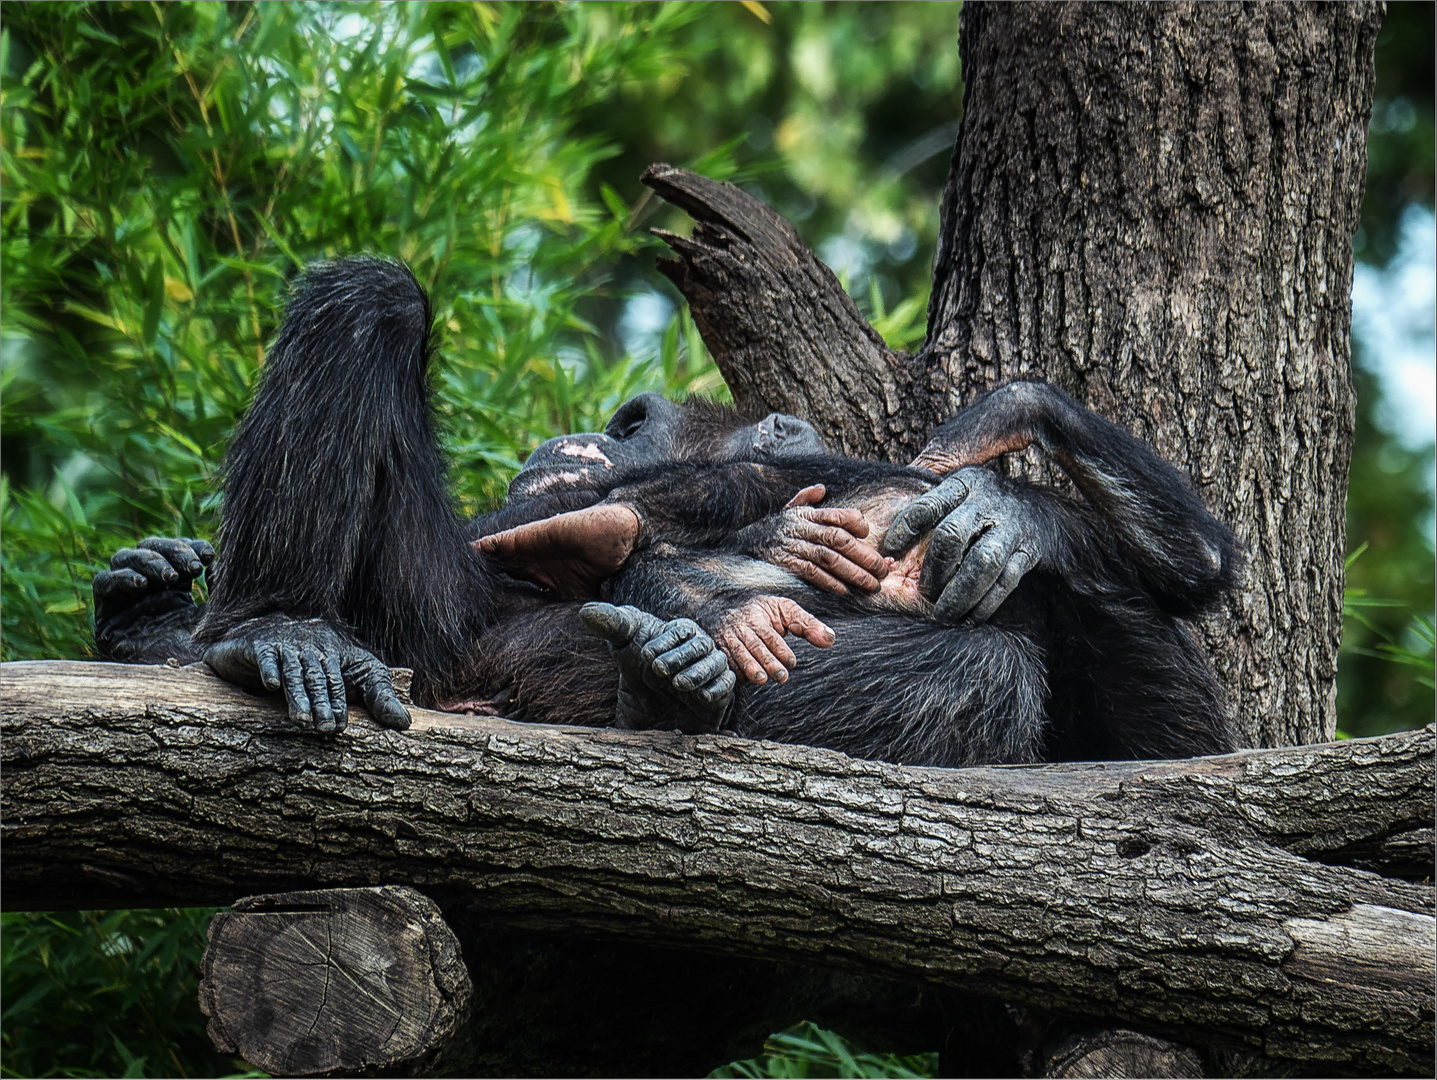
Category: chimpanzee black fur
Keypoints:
(337, 511)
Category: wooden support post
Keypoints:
(335, 980)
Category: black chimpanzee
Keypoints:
(339, 538)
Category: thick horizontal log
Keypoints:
(1168, 895)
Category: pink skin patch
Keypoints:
(901, 584)
(587, 450)
(899, 590)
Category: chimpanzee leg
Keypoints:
(1130, 682)
(335, 503)
(898, 689)
(538, 663)
(1185, 557)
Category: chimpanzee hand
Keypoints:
(751, 635)
(144, 608)
(314, 662)
(671, 674)
(984, 540)
(822, 546)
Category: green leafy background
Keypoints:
(165, 168)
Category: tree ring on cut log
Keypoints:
(333, 979)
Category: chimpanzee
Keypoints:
(339, 538)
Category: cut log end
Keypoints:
(333, 980)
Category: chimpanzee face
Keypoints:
(649, 430)
(778, 435)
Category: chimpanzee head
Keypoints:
(649, 430)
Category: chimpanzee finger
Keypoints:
(800, 623)
(923, 514)
(843, 539)
(716, 691)
(266, 655)
(1019, 563)
(982, 566)
(338, 702)
(809, 496)
(671, 635)
(371, 679)
(814, 575)
(675, 660)
(856, 570)
(316, 688)
(616, 625)
(179, 553)
(292, 671)
(777, 646)
(739, 657)
(955, 535)
(152, 564)
(847, 518)
(773, 667)
(119, 584)
(204, 549)
(702, 672)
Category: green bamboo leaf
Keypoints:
(154, 302)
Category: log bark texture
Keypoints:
(1152, 206)
(1170, 895)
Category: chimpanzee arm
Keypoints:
(1184, 556)
(144, 605)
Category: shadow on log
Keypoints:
(1180, 897)
(354, 981)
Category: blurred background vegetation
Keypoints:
(164, 168)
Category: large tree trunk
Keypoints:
(1152, 206)
(1196, 898)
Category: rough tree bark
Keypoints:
(1183, 897)
(1151, 205)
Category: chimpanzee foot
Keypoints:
(671, 674)
(314, 663)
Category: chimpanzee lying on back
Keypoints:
(336, 517)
